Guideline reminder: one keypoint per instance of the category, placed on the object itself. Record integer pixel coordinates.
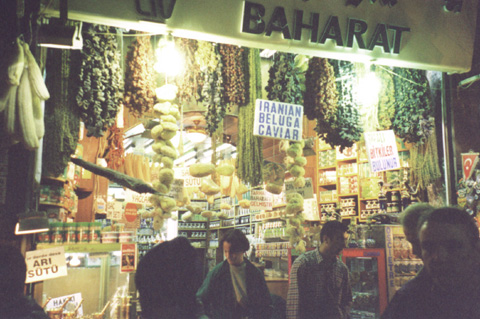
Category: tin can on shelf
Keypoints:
(83, 229)
(70, 233)
(57, 233)
(94, 232)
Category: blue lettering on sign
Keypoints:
(371, 254)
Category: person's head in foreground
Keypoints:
(167, 279)
(234, 244)
(450, 245)
(333, 237)
(411, 218)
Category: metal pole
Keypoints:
(448, 141)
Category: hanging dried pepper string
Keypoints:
(233, 74)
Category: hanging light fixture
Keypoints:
(31, 223)
(169, 59)
(59, 33)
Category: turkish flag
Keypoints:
(469, 161)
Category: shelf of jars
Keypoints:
(345, 177)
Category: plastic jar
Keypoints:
(70, 233)
(57, 233)
(94, 233)
(83, 229)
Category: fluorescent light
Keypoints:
(60, 36)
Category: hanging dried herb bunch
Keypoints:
(187, 81)
(285, 82)
(62, 121)
(211, 66)
(250, 148)
(386, 98)
(346, 128)
(100, 79)
(234, 80)
(413, 120)
(139, 76)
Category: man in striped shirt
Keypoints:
(319, 281)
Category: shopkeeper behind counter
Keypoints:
(235, 288)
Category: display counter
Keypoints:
(277, 286)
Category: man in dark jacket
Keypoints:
(13, 303)
(235, 288)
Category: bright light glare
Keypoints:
(368, 89)
(169, 59)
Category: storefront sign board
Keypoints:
(278, 120)
(306, 191)
(45, 264)
(260, 199)
(433, 35)
(382, 151)
(189, 180)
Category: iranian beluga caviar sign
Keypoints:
(278, 120)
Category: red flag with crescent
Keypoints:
(469, 161)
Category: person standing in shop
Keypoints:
(319, 281)
(13, 303)
(450, 288)
(167, 279)
(234, 288)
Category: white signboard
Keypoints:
(71, 305)
(189, 180)
(260, 199)
(176, 190)
(278, 120)
(306, 191)
(382, 151)
(310, 209)
(435, 35)
(45, 264)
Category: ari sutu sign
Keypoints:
(45, 264)
(278, 120)
(382, 151)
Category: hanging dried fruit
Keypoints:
(187, 81)
(100, 80)
(139, 76)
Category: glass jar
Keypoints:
(70, 233)
(57, 233)
(83, 232)
(94, 232)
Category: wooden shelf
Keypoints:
(84, 248)
(347, 195)
(330, 184)
(328, 202)
(327, 167)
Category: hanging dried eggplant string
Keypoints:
(62, 121)
(100, 80)
(114, 153)
(187, 81)
(413, 120)
(250, 148)
(233, 74)
(386, 98)
(139, 76)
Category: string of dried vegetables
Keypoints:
(187, 81)
(62, 120)
(386, 98)
(115, 153)
(139, 76)
(425, 168)
(321, 97)
(234, 81)
(249, 147)
(413, 120)
(211, 66)
(285, 83)
(100, 80)
(346, 128)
